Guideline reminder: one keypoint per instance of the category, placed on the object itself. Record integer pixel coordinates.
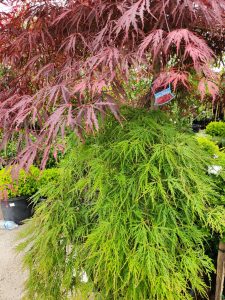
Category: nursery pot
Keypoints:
(200, 124)
(17, 209)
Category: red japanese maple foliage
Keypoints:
(65, 60)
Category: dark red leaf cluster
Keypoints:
(66, 59)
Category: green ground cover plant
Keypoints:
(133, 208)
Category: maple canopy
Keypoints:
(64, 62)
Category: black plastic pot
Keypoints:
(17, 209)
(200, 124)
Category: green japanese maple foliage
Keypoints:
(132, 208)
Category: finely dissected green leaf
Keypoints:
(132, 208)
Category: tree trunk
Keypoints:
(220, 271)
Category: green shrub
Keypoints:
(48, 177)
(208, 145)
(216, 129)
(133, 208)
(26, 184)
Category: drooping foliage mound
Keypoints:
(132, 209)
(65, 62)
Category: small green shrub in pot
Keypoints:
(28, 182)
(25, 185)
(216, 129)
(15, 193)
(48, 177)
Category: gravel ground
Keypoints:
(11, 275)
